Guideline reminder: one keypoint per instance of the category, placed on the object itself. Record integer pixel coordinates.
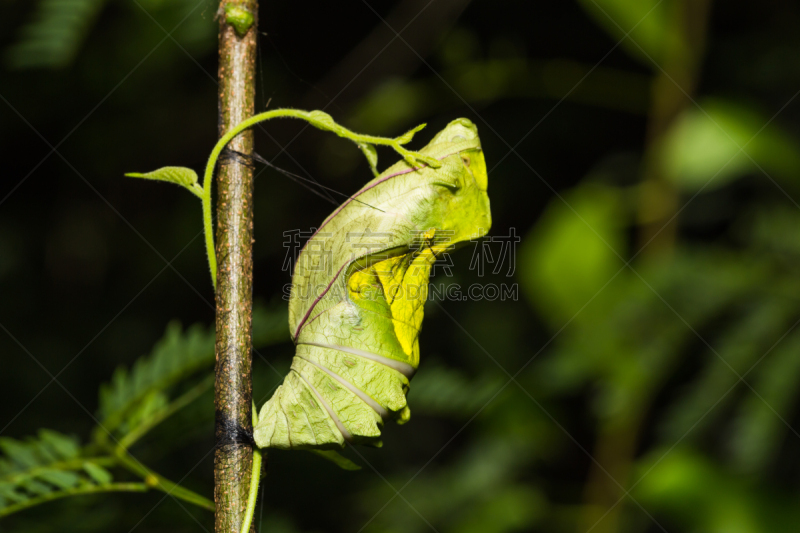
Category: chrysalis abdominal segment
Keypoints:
(405, 369)
(364, 398)
(358, 293)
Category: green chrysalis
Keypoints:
(358, 293)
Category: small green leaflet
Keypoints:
(185, 177)
(48, 467)
(371, 153)
(99, 474)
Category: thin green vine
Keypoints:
(179, 403)
(187, 177)
(319, 120)
(77, 491)
(156, 481)
(255, 478)
(70, 464)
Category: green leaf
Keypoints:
(64, 446)
(100, 475)
(699, 495)
(35, 487)
(175, 357)
(21, 454)
(759, 427)
(154, 402)
(409, 135)
(371, 153)
(185, 177)
(137, 394)
(8, 493)
(774, 231)
(393, 104)
(40, 469)
(637, 23)
(709, 147)
(54, 35)
(681, 477)
(573, 251)
(60, 478)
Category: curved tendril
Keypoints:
(317, 119)
(255, 477)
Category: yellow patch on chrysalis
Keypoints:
(404, 282)
(364, 285)
(476, 164)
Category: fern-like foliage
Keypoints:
(761, 424)
(49, 467)
(138, 397)
(171, 377)
(135, 394)
(54, 34)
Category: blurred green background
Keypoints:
(646, 152)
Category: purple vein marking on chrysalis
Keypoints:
(355, 390)
(343, 430)
(349, 200)
(370, 186)
(316, 301)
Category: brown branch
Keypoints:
(233, 386)
(672, 89)
(619, 434)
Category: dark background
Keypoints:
(653, 180)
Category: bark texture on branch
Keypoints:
(234, 237)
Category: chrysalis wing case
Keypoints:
(358, 293)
